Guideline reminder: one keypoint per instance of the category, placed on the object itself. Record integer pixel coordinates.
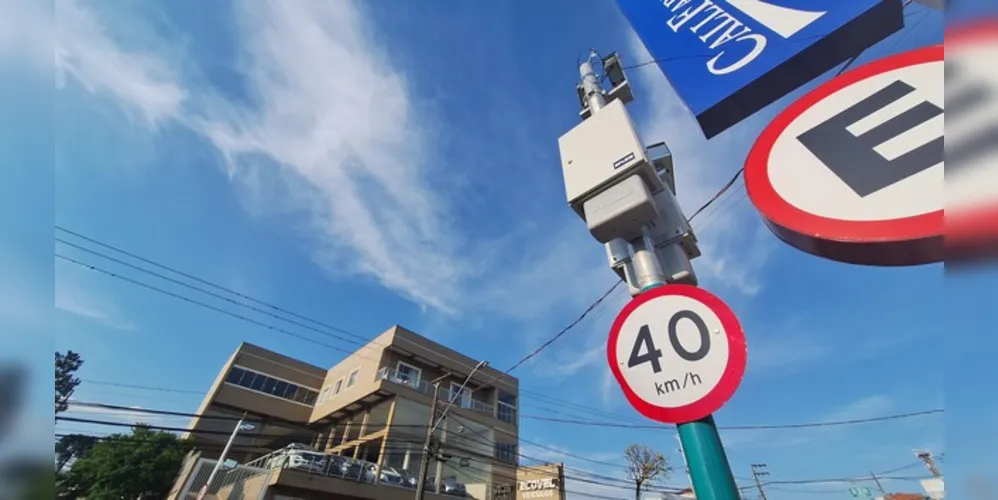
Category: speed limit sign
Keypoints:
(678, 353)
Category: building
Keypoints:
(373, 406)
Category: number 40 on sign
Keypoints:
(678, 353)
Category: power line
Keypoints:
(830, 423)
(718, 194)
(564, 330)
(272, 306)
(749, 427)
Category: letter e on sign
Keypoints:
(853, 171)
(678, 353)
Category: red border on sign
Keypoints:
(918, 229)
(730, 379)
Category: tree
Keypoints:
(142, 464)
(70, 447)
(645, 465)
(66, 381)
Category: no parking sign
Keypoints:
(853, 171)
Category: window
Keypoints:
(408, 373)
(352, 379)
(324, 395)
(337, 387)
(506, 413)
(234, 375)
(460, 398)
(269, 385)
(281, 389)
(506, 409)
(506, 452)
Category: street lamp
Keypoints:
(240, 426)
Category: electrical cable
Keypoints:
(718, 194)
(830, 423)
(263, 303)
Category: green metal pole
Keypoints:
(705, 456)
(708, 464)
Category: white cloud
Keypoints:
(85, 50)
(334, 134)
(336, 125)
(89, 306)
(871, 406)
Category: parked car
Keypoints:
(409, 479)
(299, 459)
(391, 477)
(448, 486)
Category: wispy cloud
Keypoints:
(85, 50)
(89, 306)
(352, 153)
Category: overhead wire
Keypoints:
(284, 331)
(751, 427)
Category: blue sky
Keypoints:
(374, 163)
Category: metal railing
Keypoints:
(463, 401)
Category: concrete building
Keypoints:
(372, 406)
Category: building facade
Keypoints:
(373, 407)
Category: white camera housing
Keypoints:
(601, 151)
(620, 211)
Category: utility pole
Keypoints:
(224, 455)
(651, 260)
(759, 470)
(424, 465)
(876, 481)
(930, 462)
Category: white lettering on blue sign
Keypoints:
(722, 27)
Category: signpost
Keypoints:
(677, 352)
(727, 59)
(853, 171)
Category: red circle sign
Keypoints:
(852, 171)
(678, 353)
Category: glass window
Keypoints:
(507, 398)
(290, 394)
(353, 378)
(310, 397)
(506, 452)
(247, 378)
(323, 395)
(339, 385)
(408, 373)
(235, 373)
(301, 395)
(268, 385)
(457, 395)
(258, 382)
(281, 389)
(506, 413)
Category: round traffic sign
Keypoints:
(853, 171)
(678, 353)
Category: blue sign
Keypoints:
(727, 59)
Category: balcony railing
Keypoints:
(462, 401)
